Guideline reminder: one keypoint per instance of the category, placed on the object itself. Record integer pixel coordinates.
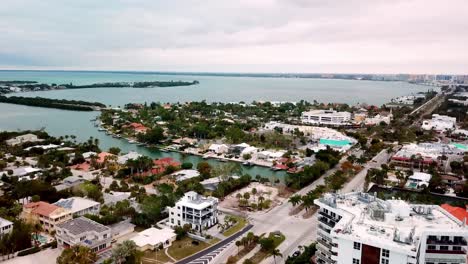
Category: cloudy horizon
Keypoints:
(303, 36)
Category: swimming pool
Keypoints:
(333, 142)
(38, 237)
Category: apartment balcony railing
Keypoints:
(327, 222)
(455, 252)
(461, 242)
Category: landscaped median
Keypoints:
(240, 223)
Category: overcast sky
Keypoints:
(352, 36)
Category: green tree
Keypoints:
(126, 253)
(114, 150)
(77, 254)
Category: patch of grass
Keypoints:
(240, 223)
(184, 247)
(152, 257)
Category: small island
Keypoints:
(74, 105)
(27, 86)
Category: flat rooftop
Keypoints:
(393, 224)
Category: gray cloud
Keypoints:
(247, 35)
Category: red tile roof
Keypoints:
(460, 213)
(102, 156)
(42, 208)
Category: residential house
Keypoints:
(48, 215)
(85, 232)
(79, 206)
(5, 226)
(195, 210)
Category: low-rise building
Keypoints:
(5, 226)
(424, 154)
(360, 228)
(85, 232)
(183, 175)
(79, 206)
(326, 117)
(198, 211)
(218, 148)
(132, 155)
(22, 139)
(154, 238)
(418, 180)
(440, 123)
(46, 214)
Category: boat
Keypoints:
(131, 141)
(101, 129)
(247, 163)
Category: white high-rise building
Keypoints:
(358, 228)
(194, 209)
(326, 117)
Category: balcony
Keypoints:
(455, 252)
(327, 222)
(461, 242)
(324, 243)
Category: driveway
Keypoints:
(47, 256)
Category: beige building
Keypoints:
(48, 215)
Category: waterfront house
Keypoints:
(132, 155)
(218, 148)
(22, 139)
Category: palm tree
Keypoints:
(276, 253)
(254, 192)
(307, 201)
(238, 244)
(77, 254)
(295, 199)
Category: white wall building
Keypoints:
(196, 210)
(22, 139)
(152, 238)
(5, 226)
(218, 148)
(358, 228)
(79, 206)
(86, 232)
(440, 123)
(326, 117)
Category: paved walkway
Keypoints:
(167, 254)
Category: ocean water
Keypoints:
(215, 88)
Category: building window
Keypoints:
(443, 247)
(430, 247)
(456, 248)
(355, 261)
(357, 246)
(384, 261)
(385, 253)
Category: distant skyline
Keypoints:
(248, 36)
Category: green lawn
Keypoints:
(151, 257)
(241, 223)
(184, 247)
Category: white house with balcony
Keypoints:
(196, 210)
